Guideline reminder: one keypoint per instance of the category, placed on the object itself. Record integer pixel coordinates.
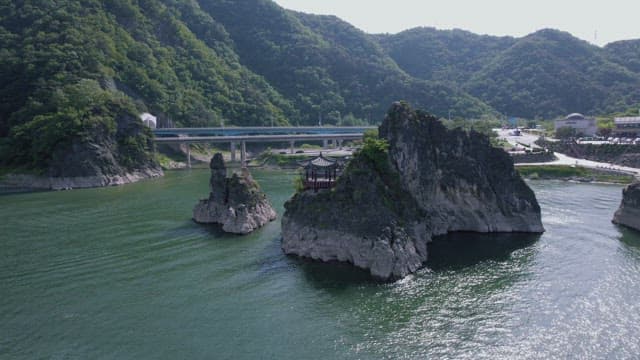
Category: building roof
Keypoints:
(627, 120)
(146, 117)
(320, 161)
(575, 116)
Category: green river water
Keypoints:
(123, 273)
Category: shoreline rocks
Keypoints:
(235, 202)
(387, 206)
(38, 182)
(629, 212)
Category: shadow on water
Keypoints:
(629, 237)
(334, 275)
(460, 250)
(5, 191)
(450, 252)
(215, 231)
(208, 232)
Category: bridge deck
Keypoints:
(258, 138)
(239, 131)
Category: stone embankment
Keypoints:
(619, 154)
(38, 182)
(534, 157)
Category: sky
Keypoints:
(596, 21)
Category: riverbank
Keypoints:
(26, 182)
(573, 173)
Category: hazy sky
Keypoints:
(611, 19)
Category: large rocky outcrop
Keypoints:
(387, 206)
(235, 202)
(629, 212)
(102, 156)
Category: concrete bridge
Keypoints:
(260, 130)
(241, 136)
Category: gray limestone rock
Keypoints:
(383, 211)
(235, 202)
(629, 212)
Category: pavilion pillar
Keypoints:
(340, 144)
(243, 154)
(292, 144)
(233, 151)
(325, 143)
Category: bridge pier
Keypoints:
(233, 151)
(243, 154)
(188, 156)
(293, 146)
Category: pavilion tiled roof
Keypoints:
(320, 161)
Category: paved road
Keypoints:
(568, 160)
(525, 138)
(562, 158)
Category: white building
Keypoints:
(583, 125)
(149, 120)
(627, 127)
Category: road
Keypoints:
(562, 159)
(525, 138)
(568, 160)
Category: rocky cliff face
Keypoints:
(102, 156)
(629, 212)
(387, 206)
(235, 202)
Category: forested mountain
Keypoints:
(192, 63)
(123, 57)
(75, 74)
(625, 53)
(545, 74)
(443, 55)
(326, 66)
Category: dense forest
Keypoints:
(191, 63)
(74, 73)
(543, 75)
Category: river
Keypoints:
(122, 273)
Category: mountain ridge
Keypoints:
(252, 62)
(547, 73)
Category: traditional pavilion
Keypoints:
(321, 172)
